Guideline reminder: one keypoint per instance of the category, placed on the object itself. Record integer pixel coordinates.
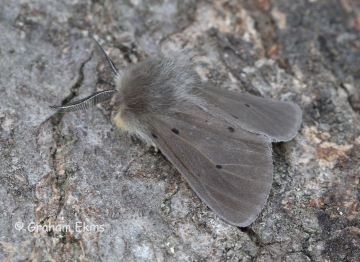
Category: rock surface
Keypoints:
(111, 199)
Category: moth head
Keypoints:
(122, 117)
(156, 85)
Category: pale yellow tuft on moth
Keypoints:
(119, 121)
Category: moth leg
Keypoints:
(156, 149)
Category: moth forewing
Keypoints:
(229, 168)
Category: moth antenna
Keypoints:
(86, 102)
(104, 57)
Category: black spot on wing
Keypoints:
(247, 105)
(175, 130)
(218, 166)
(235, 117)
(231, 129)
(154, 136)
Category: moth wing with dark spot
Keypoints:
(230, 169)
(277, 119)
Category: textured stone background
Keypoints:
(61, 169)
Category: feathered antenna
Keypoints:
(86, 102)
(96, 97)
(104, 58)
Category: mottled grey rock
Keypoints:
(112, 199)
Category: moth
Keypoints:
(219, 140)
